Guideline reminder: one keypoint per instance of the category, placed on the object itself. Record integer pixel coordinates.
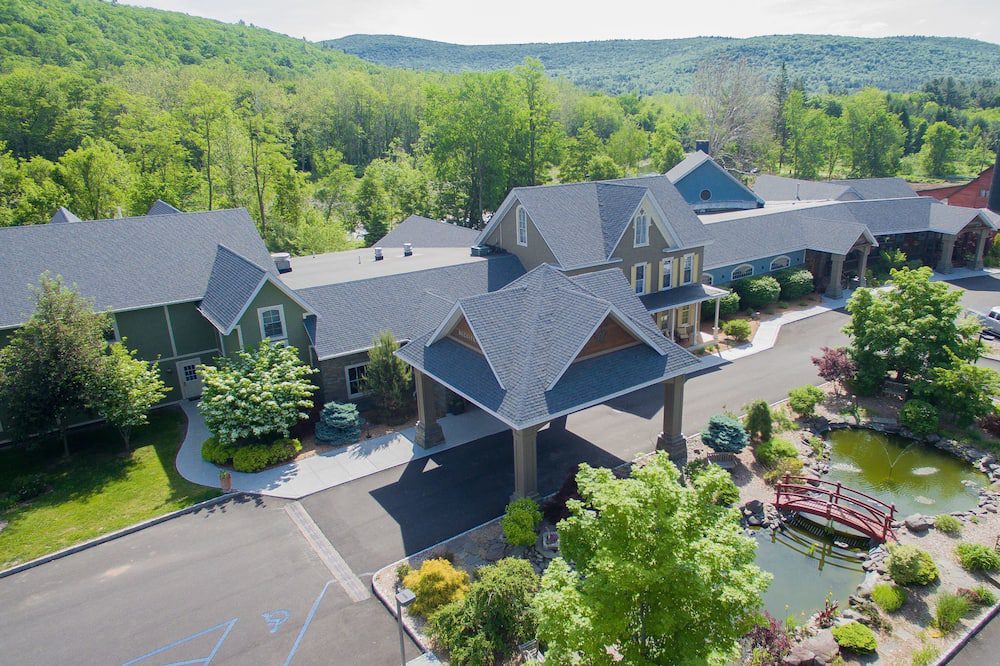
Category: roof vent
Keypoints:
(282, 261)
(378, 254)
(407, 249)
(703, 145)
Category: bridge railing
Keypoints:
(836, 502)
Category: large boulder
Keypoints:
(799, 656)
(918, 522)
(823, 645)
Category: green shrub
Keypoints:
(756, 292)
(855, 637)
(436, 583)
(794, 283)
(728, 305)
(803, 400)
(948, 524)
(339, 423)
(920, 417)
(488, 624)
(784, 467)
(402, 571)
(758, 421)
(909, 565)
(739, 329)
(725, 434)
(925, 655)
(770, 452)
(255, 457)
(520, 521)
(949, 609)
(216, 452)
(977, 557)
(889, 597)
(982, 595)
(27, 486)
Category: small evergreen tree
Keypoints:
(388, 377)
(339, 423)
(725, 434)
(758, 421)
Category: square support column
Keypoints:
(863, 266)
(833, 288)
(981, 248)
(428, 430)
(947, 249)
(715, 328)
(525, 463)
(671, 438)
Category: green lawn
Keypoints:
(100, 489)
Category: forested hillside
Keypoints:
(826, 63)
(105, 108)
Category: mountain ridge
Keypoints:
(825, 62)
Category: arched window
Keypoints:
(706, 195)
(706, 278)
(641, 229)
(522, 226)
(780, 262)
(742, 271)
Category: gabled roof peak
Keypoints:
(63, 215)
(161, 207)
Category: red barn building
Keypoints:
(974, 194)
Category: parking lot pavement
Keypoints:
(234, 584)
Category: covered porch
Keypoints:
(677, 312)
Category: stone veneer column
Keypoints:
(671, 438)
(863, 266)
(981, 248)
(525, 463)
(428, 430)
(834, 289)
(947, 249)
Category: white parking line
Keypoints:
(352, 585)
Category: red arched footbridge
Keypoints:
(837, 503)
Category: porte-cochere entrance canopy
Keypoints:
(543, 347)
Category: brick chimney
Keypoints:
(994, 201)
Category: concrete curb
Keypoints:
(958, 645)
(111, 536)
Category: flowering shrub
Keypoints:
(257, 392)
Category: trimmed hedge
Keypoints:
(756, 292)
(216, 452)
(855, 637)
(520, 522)
(255, 457)
(794, 282)
(728, 305)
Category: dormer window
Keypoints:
(522, 226)
(641, 228)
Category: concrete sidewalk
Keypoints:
(325, 470)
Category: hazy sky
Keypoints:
(509, 21)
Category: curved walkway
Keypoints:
(328, 469)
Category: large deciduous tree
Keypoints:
(908, 329)
(124, 389)
(940, 149)
(873, 135)
(660, 574)
(257, 392)
(51, 362)
(97, 177)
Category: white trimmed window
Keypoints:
(706, 278)
(522, 226)
(639, 271)
(641, 229)
(272, 322)
(688, 274)
(742, 271)
(780, 262)
(667, 273)
(355, 375)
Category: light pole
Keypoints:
(404, 598)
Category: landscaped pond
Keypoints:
(807, 569)
(916, 477)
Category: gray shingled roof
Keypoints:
(63, 215)
(739, 237)
(779, 188)
(690, 162)
(123, 264)
(161, 207)
(694, 160)
(582, 222)
(408, 304)
(658, 301)
(424, 232)
(530, 330)
(892, 216)
(234, 281)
